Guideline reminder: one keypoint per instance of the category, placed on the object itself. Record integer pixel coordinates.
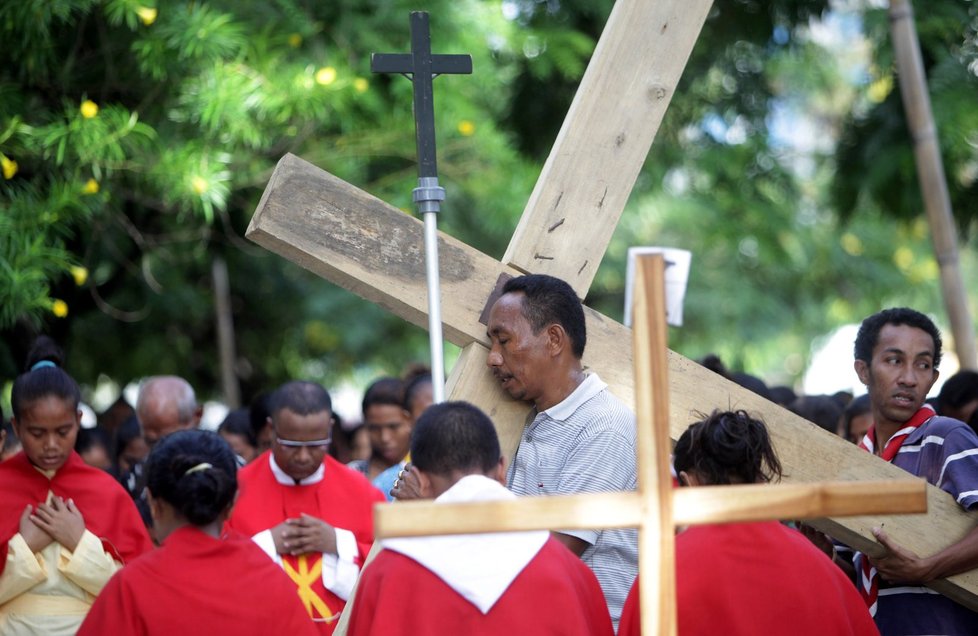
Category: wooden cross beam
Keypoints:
(656, 507)
(374, 250)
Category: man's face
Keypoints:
(858, 427)
(389, 430)
(900, 374)
(518, 358)
(300, 461)
(159, 420)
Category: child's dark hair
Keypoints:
(728, 447)
(413, 386)
(195, 472)
(454, 436)
(238, 422)
(43, 377)
(383, 391)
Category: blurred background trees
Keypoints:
(136, 138)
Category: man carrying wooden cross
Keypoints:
(897, 354)
(581, 438)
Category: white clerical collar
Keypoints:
(591, 386)
(283, 478)
(480, 567)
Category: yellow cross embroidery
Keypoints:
(304, 578)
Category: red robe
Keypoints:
(554, 594)
(757, 578)
(344, 499)
(109, 511)
(197, 584)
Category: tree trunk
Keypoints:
(930, 172)
(225, 333)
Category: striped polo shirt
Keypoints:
(585, 444)
(943, 451)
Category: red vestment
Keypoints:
(757, 578)
(198, 584)
(554, 594)
(343, 498)
(107, 508)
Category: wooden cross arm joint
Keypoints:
(691, 506)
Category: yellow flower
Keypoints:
(851, 244)
(326, 75)
(147, 15)
(80, 274)
(903, 258)
(9, 167)
(466, 128)
(880, 88)
(199, 184)
(59, 308)
(361, 85)
(91, 187)
(295, 40)
(89, 109)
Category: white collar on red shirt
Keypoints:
(480, 567)
(591, 386)
(283, 478)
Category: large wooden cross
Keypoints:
(374, 250)
(655, 508)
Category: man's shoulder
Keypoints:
(350, 480)
(604, 411)
(257, 467)
(946, 428)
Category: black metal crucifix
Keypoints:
(422, 67)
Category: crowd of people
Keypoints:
(149, 525)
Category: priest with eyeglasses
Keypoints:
(308, 512)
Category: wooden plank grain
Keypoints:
(573, 210)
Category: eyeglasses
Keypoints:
(314, 444)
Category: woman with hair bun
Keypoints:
(199, 581)
(65, 527)
(741, 579)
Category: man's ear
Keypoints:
(688, 479)
(862, 370)
(499, 472)
(155, 509)
(198, 413)
(556, 339)
(425, 486)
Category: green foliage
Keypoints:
(875, 154)
(136, 139)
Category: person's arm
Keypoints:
(903, 566)
(338, 546)
(825, 544)
(114, 612)
(89, 566)
(82, 559)
(574, 544)
(24, 567)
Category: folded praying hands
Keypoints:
(58, 520)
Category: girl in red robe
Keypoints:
(65, 527)
(742, 579)
(198, 582)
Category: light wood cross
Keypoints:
(371, 248)
(655, 508)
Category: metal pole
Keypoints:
(428, 195)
